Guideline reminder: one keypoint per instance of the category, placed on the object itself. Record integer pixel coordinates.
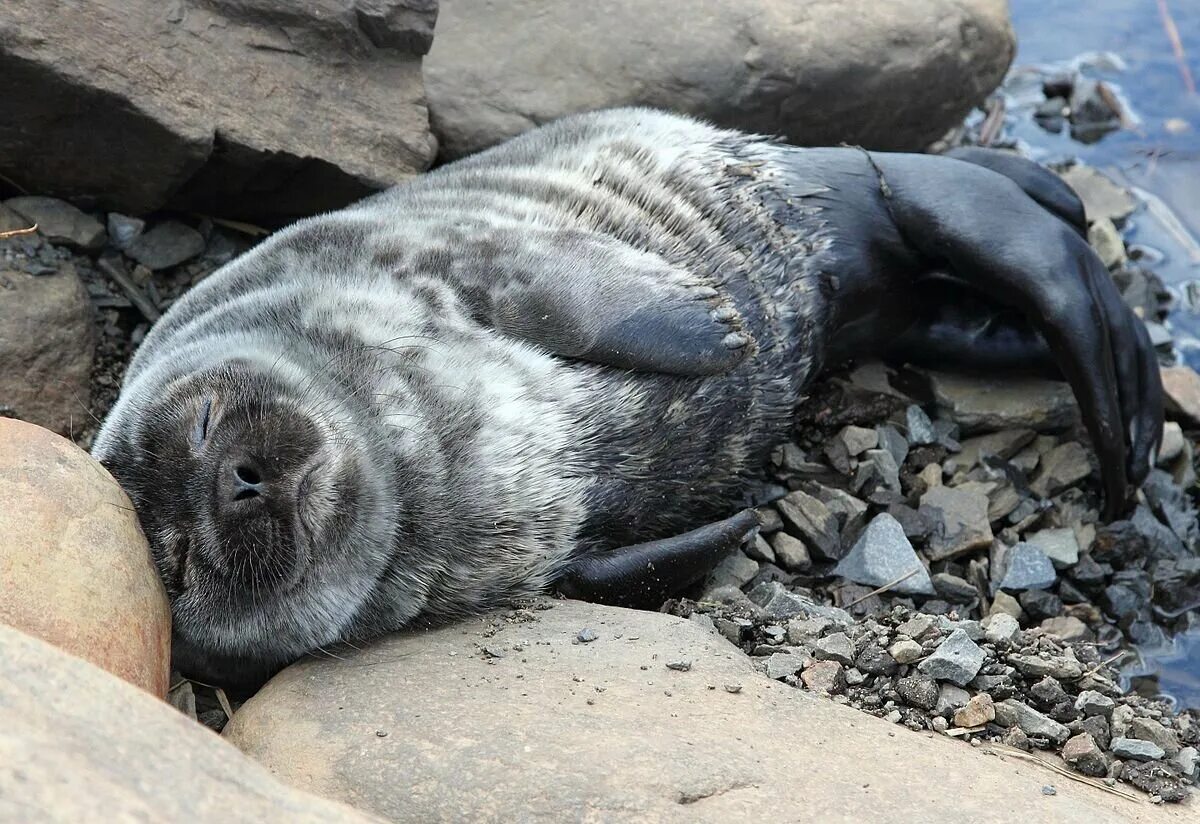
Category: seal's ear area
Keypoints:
(642, 576)
(582, 297)
(1049, 190)
(978, 226)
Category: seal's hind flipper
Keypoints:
(1046, 188)
(645, 575)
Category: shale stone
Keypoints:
(1084, 754)
(960, 522)
(1063, 466)
(1060, 545)
(60, 222)
(313, 112)
(990, 404)
(813, 520)
(1010, 712)
(167, 244)
(1136, 749)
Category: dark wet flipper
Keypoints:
(958, 330)
(1049, 190)
(645, 575)
(1017, 254)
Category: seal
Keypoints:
(560, 363)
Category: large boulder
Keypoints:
(885, 75)
(77, 744)
(74, 566)
(647, 717)
(46, 348)
(259, 109)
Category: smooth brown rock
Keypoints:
(46, 348)
(894, 75)
(1182, 387)
(75, 569)
(257, 109)
(77, 745)
(424, 727)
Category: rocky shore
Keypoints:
(932, 620)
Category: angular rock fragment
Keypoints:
(957, 659)
(825, 676)
(1084, 754)
(60, 222)
(1137, 749)
(979, 710)
(813, 520)
(960, 522)
(1010, 712)
(881, 555)
(1027, 567)
(1063, 466)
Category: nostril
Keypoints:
(247, 482)
(248, 475)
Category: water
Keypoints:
(1159, 154)
(1125, 44)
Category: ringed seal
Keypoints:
(560, 362)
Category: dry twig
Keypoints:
(884, 588)
(1063, 771)
(1168, 21)
(18, 232)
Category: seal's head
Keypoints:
(266, 513)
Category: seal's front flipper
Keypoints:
(645, 575)
(586, 297)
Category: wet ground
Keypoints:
(1148, 52)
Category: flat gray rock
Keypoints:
(984, 404)
(1063, 466)
(1137, 749)
(1060, 545)
(1011, 712)
(813, 520)
(781, 604)
(960, 522)
(60, 222)
(167, 244)
(882, 554)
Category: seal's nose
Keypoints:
(243, 482)
(247, 480)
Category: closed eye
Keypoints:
(200, 431)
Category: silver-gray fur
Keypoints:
(477, 463)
